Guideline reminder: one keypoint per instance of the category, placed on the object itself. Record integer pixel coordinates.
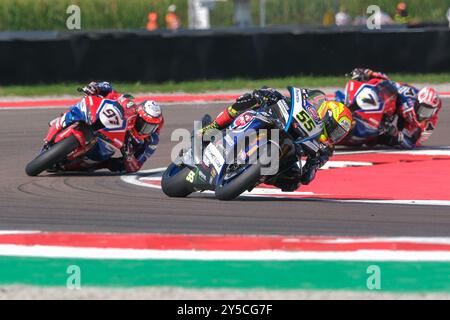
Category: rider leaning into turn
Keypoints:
(140, 142)
(417, 109)
(334, 117)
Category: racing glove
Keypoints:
(128, 164)
(400, 140)
(388, 129)
(131, 164)
(312, 165)
(359, 74)
(309, 172)
(363, 75)
(97, 89)
(267, 95)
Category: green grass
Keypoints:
(211, 85)
(132, 14)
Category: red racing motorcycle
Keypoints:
(373, 105)
(97, 132)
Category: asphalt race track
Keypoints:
(104, 203)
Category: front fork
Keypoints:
(82, 132)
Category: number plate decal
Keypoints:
(302, 116)
(110, 116)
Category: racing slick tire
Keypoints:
(245, 181)
(174, 183)
(52, 156)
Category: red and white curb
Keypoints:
(413, 177)
(65, 103)
(221, 247)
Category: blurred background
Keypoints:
(156, 41)
(134, 14)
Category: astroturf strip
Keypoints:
(200, 86)
(308, 275)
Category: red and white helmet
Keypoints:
(149, 118)
(429, 102)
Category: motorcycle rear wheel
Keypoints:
(52, 156)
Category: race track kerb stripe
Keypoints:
(222, 242)
(170, 98)
(160, 98)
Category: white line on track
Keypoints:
(12, 232)
(263, 255)
(441, 151)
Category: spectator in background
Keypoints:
(401, 14)
(343, 18)
(172, 20)
(448, 17)
(198, 15)
(361, 20)
(328, 18)
(385, 18)
(152, 23)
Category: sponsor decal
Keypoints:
(346, 124)
(243, 119)
(214, 157)
(313, 112)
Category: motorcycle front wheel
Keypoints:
(230, 189)
(52, 156)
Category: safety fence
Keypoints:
(49, 57)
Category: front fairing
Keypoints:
(105, 116)
(51, 133)
(304, 124)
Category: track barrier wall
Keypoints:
(49, 57)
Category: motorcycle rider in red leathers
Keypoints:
(140, 142)
(417, 110)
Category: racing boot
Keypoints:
(227, 116)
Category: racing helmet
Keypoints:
(337, 121)
(149, 118)
(428, 103)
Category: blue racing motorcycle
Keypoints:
(258, 147)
